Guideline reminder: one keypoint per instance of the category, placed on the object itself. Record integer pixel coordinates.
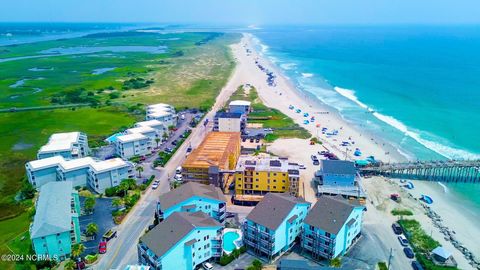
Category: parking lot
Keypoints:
(102, 216)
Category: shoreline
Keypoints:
(285, 93)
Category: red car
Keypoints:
(102, 247)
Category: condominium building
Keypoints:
(213, 160)
(148, 132)
(259, 175)
(79, 172)
(182, 241)
(193, 197)
(162, 112)
(239, 106)
(68, 145)
(229, 122)
(131, 145)
(55, 226)
(155, 124)
(331, 227)
(273, 226)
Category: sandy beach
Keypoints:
(283, 95)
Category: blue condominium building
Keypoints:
(193, 197)
(331, 227)
(56, 226)
(337, 173)
(182, 241)
(273, 226)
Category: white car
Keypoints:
(178, 177)
(178, 170)
(154, 185)
(207, 266)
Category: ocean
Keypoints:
(417, 87)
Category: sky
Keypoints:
(245, 12)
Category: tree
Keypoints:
(127, 184)
(123, 187)
(69, 265)
(165, 136)
(117, 202)
(89, 204)
(139, 169)
(157, 140)
(336, 262)
(92, 229)
(77, 250)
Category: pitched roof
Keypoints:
(273, 209)
(53, 210)
(330, 214)
(338, 167)
(189, 190)
(442, 252)
(172, 230)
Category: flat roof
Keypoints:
(160, 105)
(77, 163)
(240, 103)
(45, 162)
(266, 164)
(131, 137)
(74, 164)
(158, 113)
(60, 142)
(141, 130)
(109, 164)
(214, 150)
(338, 167)
(53, 209)
(148, 123)
(228, 115)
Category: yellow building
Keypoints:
(211, 162)
(256, 176)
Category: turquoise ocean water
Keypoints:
(422, 84)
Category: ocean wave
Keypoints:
(288, 66)
(439, 148)
(307, 75)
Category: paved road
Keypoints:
(123, 249)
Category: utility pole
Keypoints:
(390, 258)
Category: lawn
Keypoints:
(14, 238)
(190, 73)
(284, 126)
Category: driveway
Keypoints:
(241, 262)
(102, 216)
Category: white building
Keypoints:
(155, 124)
(229, 122)
(99, 175)
(69, 145)
(131, 145)
(239, 106)
(162, 112)
(149, 132)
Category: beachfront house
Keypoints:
(182, 241)
(69, 145)
(239, 106)
(99, 175)
(256, 176)
(193, 197)
(229, 122)
(162, 112)
(131, 145)
(55, 226)
(331, 227)
(273, 226)
(337, 173)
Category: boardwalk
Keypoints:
(467, 171)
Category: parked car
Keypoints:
(229, 215)
(168, 150)
(251, 140)
(257, 140)
(302, 167)
(178, 177)
(109, 235)
(316, 162)
(408, 252)
(397, 229)
(314, 157)
(80, 264)
(403, 241)
(174, 142)
(244, 139)
(416, 265)
(102, 247)
(154, 185)
(178, 170)
(207, 266)
(189, 149)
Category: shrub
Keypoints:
(402, 212)
(382, 266)
(111, 191)
(91, 258)
(336, 262)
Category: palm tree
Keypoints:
(139, 169)
(157, 140)
(117, 202)
(124, 186)
(69, 265)
(77, 250)
(89, 204)
(92, 229)
(165, 136)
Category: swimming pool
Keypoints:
(113, 138)
(229, 240)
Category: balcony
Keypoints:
(249, 229)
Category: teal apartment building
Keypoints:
(274, 225)
(56, 226)
(331, 227)
(193, 197)
(182, 241)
